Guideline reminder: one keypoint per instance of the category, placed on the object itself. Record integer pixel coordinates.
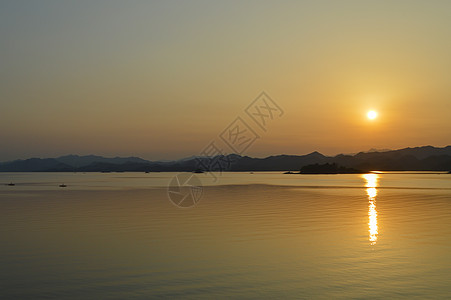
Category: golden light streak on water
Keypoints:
(371, 184)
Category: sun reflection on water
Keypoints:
(371, 184)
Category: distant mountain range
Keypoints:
(425, 158)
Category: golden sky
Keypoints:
(162, 79)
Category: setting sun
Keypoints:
(371, 115)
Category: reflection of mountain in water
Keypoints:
(328, 169)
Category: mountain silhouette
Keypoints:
(425, 158)
(77, 161)
(35, 165)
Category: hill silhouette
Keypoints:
(425, 158)
(77, 161)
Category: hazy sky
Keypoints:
(162, 79)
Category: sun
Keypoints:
(371, 115)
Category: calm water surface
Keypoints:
(262, 235)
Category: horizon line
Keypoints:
(242, 155)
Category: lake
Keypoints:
(260, 235)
